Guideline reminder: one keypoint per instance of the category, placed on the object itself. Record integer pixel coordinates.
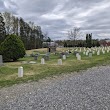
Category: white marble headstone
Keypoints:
(64, 57)
(93, 52)
(20, 71)
(59, 61)
(42, 61)
(77, 54)
(79, 57)
(90, 54)
(98, 52)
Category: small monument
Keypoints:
(90, 54)
(43, 61)
(59, 61)
(93, 52)
(98, 52)
(64, 57)
(79, 57)
(20, 71)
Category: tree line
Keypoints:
(30, 34)
(78, 43)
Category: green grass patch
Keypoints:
(35, 72)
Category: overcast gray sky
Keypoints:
(58, 16)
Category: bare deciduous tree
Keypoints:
(74, 34)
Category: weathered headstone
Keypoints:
(36, 57)
(77, 54)
(107, 51)
(25, 62)
(59, 61)
(20, 71)
(1, 60)
(42, 61)
(84, 53)
(47, 56)
(103, 52)
(93, 52)
(98, 52)
(32, 62)
(90, 54)
(79, 57)
(64, 57)
(87, 53)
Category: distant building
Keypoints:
(105, 42)
(50, 44)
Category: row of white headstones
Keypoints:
(91, 51)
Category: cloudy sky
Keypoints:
(58, 16)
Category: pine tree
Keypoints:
(2, 29)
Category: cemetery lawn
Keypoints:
(35, 72)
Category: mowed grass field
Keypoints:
(35, 72)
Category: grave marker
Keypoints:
(90, 54)
(64, 57)
(42, 61)
(20, 71)
(59, 61)
(79, 57)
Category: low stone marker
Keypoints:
(90, 54)
(77, 54)
(84, 53)
(103, 52)
(20, 71)
(98, 52)
(107, 51)
(87, 53)
(93, 52)
(64, 57)
(32, 62)
(1, 60)
(79, 57)
(24, 62)
(43, 61)
(59, 61)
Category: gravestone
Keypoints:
(87, 53)
(64, 57)
(84, 53)
(77, 54)
(47, 56)
(107, 51)
(103, 52)
(59, 61)
(90, 54)
(36, 56)
(24, 62)
(1, 60)
(98, 52)
(79, 57)
(32, 62)
(93, 52)
(20, 71)
(42, 61)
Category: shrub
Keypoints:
(12, 48)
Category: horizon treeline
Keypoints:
(31, 35)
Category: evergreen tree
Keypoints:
(65, 44)
(12, 48)
(2, 29)
(89, 40)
